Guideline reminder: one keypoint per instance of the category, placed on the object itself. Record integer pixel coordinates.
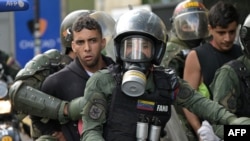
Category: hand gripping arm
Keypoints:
(74, 108)
(205, 108)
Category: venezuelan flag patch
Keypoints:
(145, 105)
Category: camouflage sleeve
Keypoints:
(35, 71)
(171, 50)
(225, 86)
(202, 106)
(97, 93)
(31, 78)
(41, 66)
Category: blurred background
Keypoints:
(20, 38)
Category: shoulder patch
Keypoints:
(95, 112)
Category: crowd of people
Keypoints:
(198, 70)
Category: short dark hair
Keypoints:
(86, 22)
(222, 14)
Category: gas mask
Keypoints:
(137, 54)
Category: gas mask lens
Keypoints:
(136, 49)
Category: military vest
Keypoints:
(243, 99)
(124, 110)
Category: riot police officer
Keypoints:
(131, 100)
(189, 30)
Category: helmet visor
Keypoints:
(192, 25)
(137, 49)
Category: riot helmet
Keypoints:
(140, 41)
(190, 20)
(140, 28)
(245, 36)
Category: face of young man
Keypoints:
(87, 45)
(223, 38)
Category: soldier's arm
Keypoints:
(41, 66)
(225, 87)
(97, 93)
(25, 93)
(206, 108)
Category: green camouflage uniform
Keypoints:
(33, 75)
(98, 94)
(173, 57)
(226, 85)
